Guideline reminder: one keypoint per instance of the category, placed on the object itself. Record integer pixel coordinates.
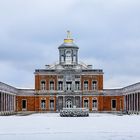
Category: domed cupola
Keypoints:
(68, 51)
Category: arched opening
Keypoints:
(69, 103)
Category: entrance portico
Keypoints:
(68, 102)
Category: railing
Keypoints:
(74, 112)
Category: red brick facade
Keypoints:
(69, 84)
(104, 103)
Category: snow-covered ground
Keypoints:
(51, 126)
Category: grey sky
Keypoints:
(106, 31)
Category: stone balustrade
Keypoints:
(74, 112)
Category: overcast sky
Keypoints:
(106, 31)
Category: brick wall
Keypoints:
(90, 78)
(34, 103)
(30, 102)
(47, 79)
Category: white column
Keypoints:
(14, 103)
(63, 101)
(137, 103)
(139, 100)
(134, 102)
(0, 102)
(81, 101)
(7, 102)
(10, 103)
(129, 101)
(74, 102)
(7, 105)
(4, 102)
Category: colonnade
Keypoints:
(132, 102)
(7, 103)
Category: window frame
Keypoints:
(114, 109)
(87, 88)
(95, 108)
(50, 85)
(50, 104)
(84, 103)
(77, 85)
(60, 89)
(24, 109)
(41, 104)
(96, 87)
(44, 87)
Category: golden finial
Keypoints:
(68, 39)
(68, 34)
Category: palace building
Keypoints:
(67, 84)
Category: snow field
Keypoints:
(51, 126)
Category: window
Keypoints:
(24, 104)
(94, 104)
(94, 85)
(43, 85)
(69, 85)
(85, 103)
(113, 104)
(85, 85)
(68, 57)
(51, 104)
(62, 58)
(51, 85)
(69, 104)
(74, 58)
(43, 104)
(60, 85)
(77, 85)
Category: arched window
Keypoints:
(68, 57)
(85, 85)
(62, 58)
(69, 103)
(94, 104)
(74, 58)
(69, 86)
(94, 85)
(43, 85)
(77, 85)
(43, 104)
(60, 85)
(86, 103)
(51, 85)
(51, 104)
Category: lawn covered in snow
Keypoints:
(51, 126)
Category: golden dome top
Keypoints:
(68, 39)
